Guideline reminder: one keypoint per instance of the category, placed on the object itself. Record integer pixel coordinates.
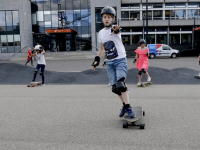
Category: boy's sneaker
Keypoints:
(130, 113)
(122, 112)
(43, 84)
(149, 79)
(139, 83)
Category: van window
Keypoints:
(165, 47)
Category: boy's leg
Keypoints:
(36, 71)
(121, 73)
(42, 73)
(27, 62)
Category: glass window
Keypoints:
(9, 30)
(10, 44)
(126, 39)
(174, 28)
(125, 15)
(2, 18)
(132, 6)
(135, 15)
(54, 5)
(193, 13)
(40, 16)
(15, 17)
(16, 30)
(76, 4)
(151, 38)
(186, 38)
(136, 39)
(175, 14)
(77, 18)
(125, 29)
(165, 47)
(137, 29)
(47, 24)
(69, 4)
(174, 39)
(69, 17)
(161, 29)
(4, 43)
(175, 5)
(34, 20)
(3, 30)
(84, 4)
(149, 14)
(85, 31)
(186, 28)
(62, 3)
(152, 6)
(180, 14)
(157, 14)
(193, 5)
(40, 5)
(54, 20)
(46, 6)
(8, 18)
(84, 17)
(47, 17)
(161, 39)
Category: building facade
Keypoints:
(72, 25)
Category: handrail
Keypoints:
(17, 52)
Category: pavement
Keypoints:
(76, 110)
(85, 117)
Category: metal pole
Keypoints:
(146, 21)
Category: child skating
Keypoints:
(116, 63)
(29, 58)
(41, 62)
(142, 54)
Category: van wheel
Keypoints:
(152, 56)
(173, 55)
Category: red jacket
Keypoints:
(29, 55)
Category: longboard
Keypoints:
(33, 84)
(132, 122)
(144, 84)
(196, 76)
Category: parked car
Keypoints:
(156, 50)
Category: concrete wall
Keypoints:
(101, 3)
(24, 8)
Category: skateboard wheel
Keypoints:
(142, 126)
(38, 83)
(144, 85)
(28, 85)
(151, 83)
(33, 85)
(125, 125)
(138, 86)
(143, 113)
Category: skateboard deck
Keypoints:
(196, 76)
(131, 121)
(33, 84)
(144, 84)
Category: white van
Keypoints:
(156, 50)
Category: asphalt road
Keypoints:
(85, 117)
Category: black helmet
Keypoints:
(108, 10)
(142, 41)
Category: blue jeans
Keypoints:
(42, 71)
(116, 70)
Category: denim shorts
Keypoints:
(116, 70)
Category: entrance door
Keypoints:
(60, 42)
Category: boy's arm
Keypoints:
(43, 52)
(97, 58)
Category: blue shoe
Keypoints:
(122, 112)
(130, 113)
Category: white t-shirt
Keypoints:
(41, 59)
(105, 36)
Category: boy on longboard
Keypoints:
(41, 62)
(116, 63)
(142, 54)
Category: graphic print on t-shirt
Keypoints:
(111, 50)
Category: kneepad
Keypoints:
(143, 71)
(36, 70)
(41, 73)
(121, 86)
(140, 73)
(115, 90)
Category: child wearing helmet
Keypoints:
(116, 63)
(41, 62)
(142, 54)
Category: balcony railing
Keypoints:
(158, 18)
